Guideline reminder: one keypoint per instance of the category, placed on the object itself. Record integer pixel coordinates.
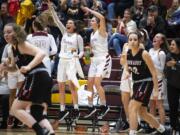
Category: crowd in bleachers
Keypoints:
(158, 25)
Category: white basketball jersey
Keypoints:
(99, 44)
(43, 41)
(68, 42)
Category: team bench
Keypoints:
(113, 101)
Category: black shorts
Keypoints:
(142, 92)
(36, 88)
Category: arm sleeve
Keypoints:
(5, 53)
(53, 45)
(162, 60)
(80, 46)
(57, 21)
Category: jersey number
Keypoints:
(134, 70)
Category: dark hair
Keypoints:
(130, 11)
(79, 25)
(165, 45)
(136, 33)
(20, 34)
(37, 23)
(177, 40)
(5, 3)
(152, 8)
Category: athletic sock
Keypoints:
(132, 132)
(161, 128)
(76, 106)
(62, 108)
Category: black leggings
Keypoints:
(173, 100)
(4, 100)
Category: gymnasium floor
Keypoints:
(58, 132)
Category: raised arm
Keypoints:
(102, 28)
(56, 19)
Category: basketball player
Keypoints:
(44, 41)
(36, 89)
(100, 62)
(72, 48)
(144, 77)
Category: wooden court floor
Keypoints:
(58, 132)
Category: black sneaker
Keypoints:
(10, 121)
(140, 129)
(91, 111)
(166, 132)
(116, 128)
(45, 131)
(76, 114)
(103, 111)
(121, 126)
(150, 130)
(63, 115)
(124, 127)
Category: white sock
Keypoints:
(139, 120)
(76, 106)
(103, 102)
(28, 111)
(90, 103)
(132, 132)
(161, 128)
(62, 108)
(44, 113)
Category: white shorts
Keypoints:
(14, 78)
(162, 87)
(63, 67)
(126, 84)
(100, 67)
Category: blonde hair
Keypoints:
(20, 35)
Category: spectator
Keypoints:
(73, 10)
(116, 9)
(174, 7)
(4, 19)
(153, 23)
(121, 5)
(138, 11)
(125, 26)
(162, 10)
(173, 86)
(173, 19)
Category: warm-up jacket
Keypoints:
(173, 73)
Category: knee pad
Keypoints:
(37, 112)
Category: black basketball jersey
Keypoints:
(137, 66)
(24, 59)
